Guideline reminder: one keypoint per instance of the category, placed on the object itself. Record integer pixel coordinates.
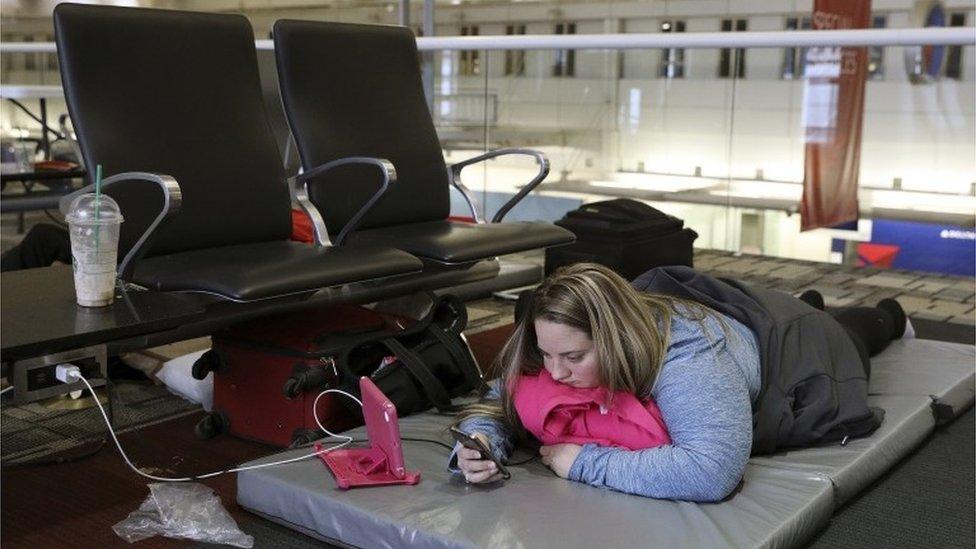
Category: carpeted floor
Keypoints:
(34, 432)
(927, 500)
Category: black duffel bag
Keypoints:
(625, 235)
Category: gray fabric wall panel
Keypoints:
(772, 508)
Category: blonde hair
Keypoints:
(630, 332)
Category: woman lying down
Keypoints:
(665, 387)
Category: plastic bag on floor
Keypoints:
(182, 510)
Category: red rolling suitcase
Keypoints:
(268, 372)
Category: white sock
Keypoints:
(909, 329)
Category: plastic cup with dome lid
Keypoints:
(93, 223)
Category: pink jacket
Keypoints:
(558, 413)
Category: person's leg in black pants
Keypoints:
(42, 245)
(871, 328)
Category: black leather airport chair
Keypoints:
(276, 113)
(356, 89)
(159, 97)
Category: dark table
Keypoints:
(42, 326)
(31, 199)
(44, 175)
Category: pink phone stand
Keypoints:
(380, 464)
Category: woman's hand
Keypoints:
(560, 457)
(475, 469)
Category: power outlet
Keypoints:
(43, 377)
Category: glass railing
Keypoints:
(718, 136)
(728, 154)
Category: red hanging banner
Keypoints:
(833, 108)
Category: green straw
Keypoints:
(98, 200)
(98, 188)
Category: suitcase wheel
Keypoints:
(210, 361)
(211, 425)
(301, 437)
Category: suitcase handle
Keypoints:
(304, 377)
(210, 361)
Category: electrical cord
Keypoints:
(61, 459)
(77, 375)
(70, 458)
(430, 440)
(315, 413)
(350, 440)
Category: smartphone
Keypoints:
(469, 441)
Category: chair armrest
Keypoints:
(172, 202)
(540, 158)
(298, 185)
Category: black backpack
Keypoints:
(432, 364)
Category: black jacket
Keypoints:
(814, 388)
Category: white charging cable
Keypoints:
(315, 408)
(315, 413)
(7, 389)
(71, 373)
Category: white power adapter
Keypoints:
(67, 373)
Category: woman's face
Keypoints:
(568, 354)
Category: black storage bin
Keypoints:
(628, 236)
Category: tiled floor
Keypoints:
(929, 296)
(923, 295)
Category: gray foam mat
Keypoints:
(783, 500)
(942, 370)
(905, 379)
(852, 467)
(771, 508)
